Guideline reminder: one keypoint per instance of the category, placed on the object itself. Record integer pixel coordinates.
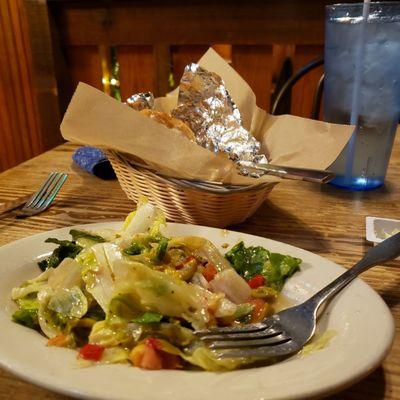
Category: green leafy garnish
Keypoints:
(161, 249)
(29, 302)
(247, 261)
(77, 234)
(279, 268)
(26, 317)
(243, 312)
(254, 260)
(149, 317)
(134, 249)
(66, 248)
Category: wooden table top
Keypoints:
(321, 219)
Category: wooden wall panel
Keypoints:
(83, 64)
(136, 69)
(43, 70)
(303, 91)
(20, 137)
(191, 22)
(254, 64)
(184, 55)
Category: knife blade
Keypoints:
(9, 205)
(304, 174)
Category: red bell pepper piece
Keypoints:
(92, 352)
(256, 281)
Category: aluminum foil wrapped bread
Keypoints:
(141, 101)
(206, 114)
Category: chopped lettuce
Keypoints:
(161, 249)
(114, 355)
(98, 272)
(110, 333)
(27, 317)
(243, 312)
(66, 248)
(71, 303)
(278, 268)
(205, 358)
(247, 261)
(201, 249)
(27, 313)
(29, 302)
(125, 307)
(66, 275)
(251, 261)
(117, 289)
(31, 286)
(134, 249)
(149, 317)
(152, 290)
(146, 219)
(78, 234)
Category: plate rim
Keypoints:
(313, 393)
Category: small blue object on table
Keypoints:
(94, 161)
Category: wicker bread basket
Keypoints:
(200, 203)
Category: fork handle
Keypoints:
(387, 250)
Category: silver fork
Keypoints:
(289, 330)
(44, 195)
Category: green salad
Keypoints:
(136, 296)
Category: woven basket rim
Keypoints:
(213, 187)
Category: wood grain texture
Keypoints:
(83, 63)
(136, 65)
(254, 64)
(321, 219)
(161, 68)
(191, 22)
(43, 71)
(19, 128)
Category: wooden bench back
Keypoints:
(72, 41)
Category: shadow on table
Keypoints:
(274, 223)
(372, 387)
(390, 293)
(353, 194)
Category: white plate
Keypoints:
(363, 323)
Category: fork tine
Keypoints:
(271, 331)
(44, 196)
(39, 193)
(263, 352)
(241, 329)
(49, 191)
(53, 193)
(231, 344)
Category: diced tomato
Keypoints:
(209, 271)
(153, 343)
(256, 281)
(91, 352)
(259, 311)
(136, 354)
(151, 359)
(148, 355)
